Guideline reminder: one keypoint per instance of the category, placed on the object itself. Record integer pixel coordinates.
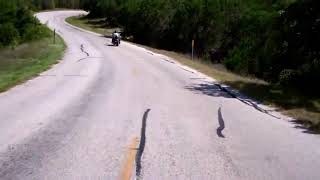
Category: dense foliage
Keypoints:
(17, 23)
(50, 4)
(271, 39)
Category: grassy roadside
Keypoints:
(303, 108)
(94, 25)
(28, 60)
(50, 10)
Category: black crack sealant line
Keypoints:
(87, 54)
(142, 144)
(221, 124)
(89, 58)
(82, 49)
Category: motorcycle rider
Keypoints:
(115, 36)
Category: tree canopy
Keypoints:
(17, 23)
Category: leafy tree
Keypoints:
(17, 23)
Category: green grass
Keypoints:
(304, 108)
(28, 60)
(94, 25)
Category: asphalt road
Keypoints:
(109, 112)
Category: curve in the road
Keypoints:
(75, 121)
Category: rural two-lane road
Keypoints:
(110, 112)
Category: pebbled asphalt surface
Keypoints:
(77, 120)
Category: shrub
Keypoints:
(35, 32)
(240, 58)
(288, 77)
(17, 24)
(8, 34)
(234, 60)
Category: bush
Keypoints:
(233, 62)
(288, 77)
(8, 34)
(35, 32)
(17, 24)
(240, 58)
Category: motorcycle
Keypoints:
(116, 41)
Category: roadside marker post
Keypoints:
(54, 36)
(192, 50)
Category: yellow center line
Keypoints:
(135, 72)
(126, 172)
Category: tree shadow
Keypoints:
(101, 23)
(286, 99)
(208, 89)
(106, 36)
(283, 99)
(306, 126)
(216, 90)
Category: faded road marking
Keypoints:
(135, 72)
(134, 153)
(127, 169)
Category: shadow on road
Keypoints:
(217, 90)
(208, 89)
(306, 127)
(106, 36)
(110, 45)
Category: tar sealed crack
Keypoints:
(142, 144)
(82, 49)
(221, 124)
